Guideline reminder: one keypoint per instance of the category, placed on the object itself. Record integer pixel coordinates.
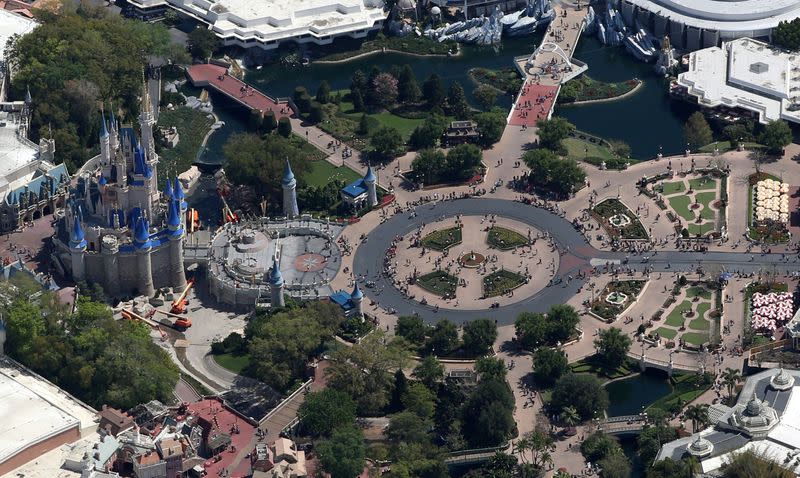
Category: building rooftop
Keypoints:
(51, 464)
(356, 188)
(32, 409)
(15, 153)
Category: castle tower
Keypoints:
(77, 249)
(176, 234)
(146, 122)
(2, 337)
(144, 266)
(370, 180)
(105, 144)
(289, 184)
(110, 250)
(276, 284)
(357, 298)
(179, 196)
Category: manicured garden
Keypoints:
(442, 239)
(685, 388)
(690, 318)
(407, 44)
(322, 172)
(439, 282)
(505, 239)
(626, 291)
(232, 362)
(585, 88)
(592, 366)
(506, 80)
(695, 199)
(607, 210)
(501, 282)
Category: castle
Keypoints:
(118, 228)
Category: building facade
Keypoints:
(118, 229)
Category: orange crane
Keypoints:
(174, 320)
(130, 315)
(179, 304)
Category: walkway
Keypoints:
(217, 78)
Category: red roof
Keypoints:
(222, 420)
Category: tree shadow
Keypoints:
(512, 348)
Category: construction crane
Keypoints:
(131, 315)
(174, 320)
(179, 304)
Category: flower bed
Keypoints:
(609, 311)
(609, 208)
(442, 239)
(501, 282)
(439, 282)
(505, 239)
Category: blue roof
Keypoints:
(178, 190)
(356, 188)
(168, 189)
(357, 294)
(103, 128)
(102, 181)
(141, 233)
(77, 239)
(342, 298)
(41, 183)
(370, 176)
(174, 216)
(288, 175)
(140, 166)
(275, 276)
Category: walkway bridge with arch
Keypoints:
(623, 425)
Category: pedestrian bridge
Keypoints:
(668, 366)
(623, 425)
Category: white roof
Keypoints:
(787, 432)
(32, 409)
(733, 16)
(13, 24)
(15, 153)
(746, 73)
(50, 464)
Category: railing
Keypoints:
(286, 400)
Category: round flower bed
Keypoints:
(472, 260)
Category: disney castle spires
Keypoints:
(119, 230)
(289, 184)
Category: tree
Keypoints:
(731, 378)
(412, 328)
(612, 347)
(569, 415)
(316, 114)
(457, 101)
(669, 468)
(549, 364)
(342, 455)
(301, 98)
(615, 465)
(427, 135)
(463, 160)
(326, 410)
(358, 82)
(553, 174)
(324, 92)
(479, 335)
(531, 330)
(358, 100)
(553, 131)
(562, 320)
(787, 34)
(584, 392)
(408, 427)
(620, 148)
(696, 131)
(776, 136)
(491, 126)
(269, 123)
(698, 415)
(598, 446)
(429, 165)
(284, 127)
(202, 43)
(433, 91)
(384, 90)
(407, 88)
(486, 96)
(488, 414)
(420, 400)
(386, 143)
(539, 445)
(735, 133)
(443, 338)
(491, 368)
(749, 464)
(430, 372)
(400, 388)
(363, 125)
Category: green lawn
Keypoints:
(700, 291)
(681, 206)
(702, 308)
(234, 363)
(500, 282)
(726, 146)
(695, 338)
(505, 239)
(667, 333)
(701, 229)
(674, 187)
(439, 282)
(322, 172)
(703, 183)
(675, 317)
(192, 126)
(576, 149)
(442, 239)
(699, 324)
(686, 387)
(706, 199)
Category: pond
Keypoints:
(631, 395)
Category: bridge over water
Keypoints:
(623, 425)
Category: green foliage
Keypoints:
(284, 127)
(553, 131)
(749, 464)
(616, 465)
(427, 135)
(552, 174)
(491, 125)
(651, 439)
(479, 335)
(787, 34)
(434, 167)
(94, 357)
(430, 372)
(433, 91)
(409, 427)
(549, 364)
(324, 411)
(407, 88)
(488, 414)
(316, 114)
(534, 330)
(457, 101)
(202, 43)
(776, 136)
(280, 344)
(443, 338)
(358, 100)
(669, 468)
(696, 131)
(612, 347)
(598, 446)
(486, 96)
(342, 455)
(491, 368)
(420, 400)
(387, 143)
(324, 92)
(412, 328)
(71, 63)
(737, 132)
(584, 392)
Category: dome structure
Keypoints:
(700, 447)
(275, 277)
(357, 294)
(754, 418)
(436, 10)
(781, 381)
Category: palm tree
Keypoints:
(698, 414)
(731, 378)
(569, 415)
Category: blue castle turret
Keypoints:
(179, 195)
(357, 298)
(168, 193)
(276, 284)
(77, 248)
(289, 184)
(370, 181)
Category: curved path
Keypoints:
(369, 259)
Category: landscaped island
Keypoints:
(506, 80)
(585, 88)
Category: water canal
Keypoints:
(631, 395)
